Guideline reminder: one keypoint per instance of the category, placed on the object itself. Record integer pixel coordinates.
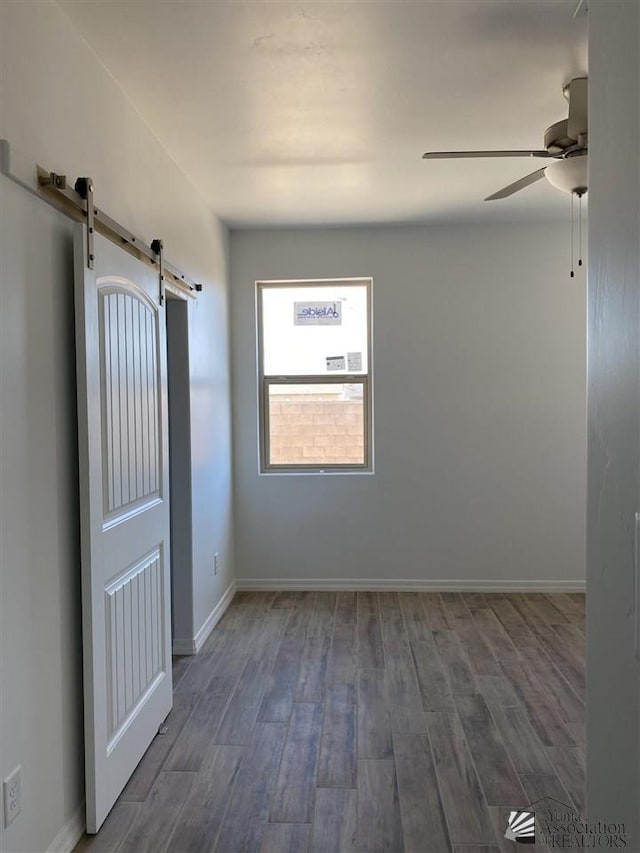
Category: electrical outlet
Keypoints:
(12, 795)
(216, 563)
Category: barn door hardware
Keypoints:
(84, 188)
(78, 203)
(156, 246)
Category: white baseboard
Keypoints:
(192, 646)
(70, 834)
(409, 585)
(183, 647)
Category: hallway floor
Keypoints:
(343, 722)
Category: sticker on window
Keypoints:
(335, 362)
(354, 361)
(317, 313)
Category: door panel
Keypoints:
(123, 445)
(130, 404)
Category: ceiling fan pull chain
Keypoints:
(580, 231)
(572, 273)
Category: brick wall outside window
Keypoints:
(316, 429)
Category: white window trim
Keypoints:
(264, 381)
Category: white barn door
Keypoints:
(124, 497)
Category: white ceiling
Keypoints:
(319, 112)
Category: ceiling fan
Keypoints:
(565, 142)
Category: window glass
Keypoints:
(314, 330)
(316, 424)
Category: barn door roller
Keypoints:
(84, 188)
(156, 246)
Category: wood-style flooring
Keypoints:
(344, 722)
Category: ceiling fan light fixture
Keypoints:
(569, 175)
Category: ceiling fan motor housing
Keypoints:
(567, 141)
(556, 138)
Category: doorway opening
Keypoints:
(178, 394)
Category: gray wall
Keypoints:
(62, 109)
(613, 706)
(479, 409)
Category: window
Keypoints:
(314, 364)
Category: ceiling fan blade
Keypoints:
(518, 185)
(456, 155)
(578, 108)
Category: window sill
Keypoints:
(326, 473)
